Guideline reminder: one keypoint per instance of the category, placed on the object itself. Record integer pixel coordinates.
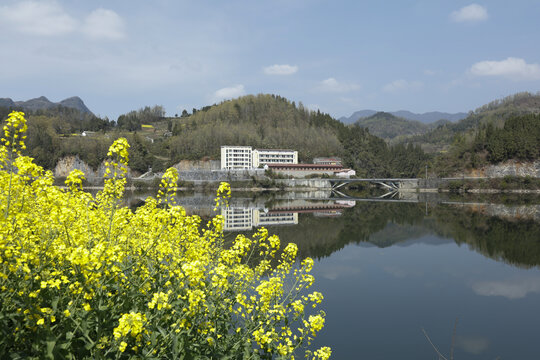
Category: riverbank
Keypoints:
(507, 184)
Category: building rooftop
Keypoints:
(306, 166)
(274, 150)
(333, 158)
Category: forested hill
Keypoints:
(263, 121)
(493, 114)
(388, 126)
(518, 139)
(271, 121)
(501, 130)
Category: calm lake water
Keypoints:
(390, 269)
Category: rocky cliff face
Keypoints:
(70, 163)
(513, 168)
(508, 168)
(67, 164)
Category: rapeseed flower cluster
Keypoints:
(14, 132)
(84, 277)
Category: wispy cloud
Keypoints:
(284, 69)
(470, 13)
(48, 18)
(332, 85)
(512, 68)
(229, 92)
(401, 85)
(104, 24)
(42, 18)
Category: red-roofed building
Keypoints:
(302, 170)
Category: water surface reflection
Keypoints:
(389, 269)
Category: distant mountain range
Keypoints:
(425, 118)
(42, 103)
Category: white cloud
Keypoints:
(332, 85)
(229, 92)
(48, 18)
(510, 289)
(512, 68)
(399, 85)
(429, 72)
(284, 69)
(104, 24)
(43, 18)
(470, 13)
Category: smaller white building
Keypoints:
(263, 157)
(261, 218)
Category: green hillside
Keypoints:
(263, 121)
(495, 113)
(517, 139)
(271, 121)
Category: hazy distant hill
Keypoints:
(426, 118)
(42, 103)
(75, 102)
(388, 126)
(6, 102)
(357, 115)
(431, 116)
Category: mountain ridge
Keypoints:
(42, 103)
(426, 118)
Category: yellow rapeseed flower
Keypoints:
(153, 275)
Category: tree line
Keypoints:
(518, 138)
(261, 121)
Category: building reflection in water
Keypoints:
(246, 218)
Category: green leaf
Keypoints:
(51, 342)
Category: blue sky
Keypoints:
(339, 56)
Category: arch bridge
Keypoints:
(392, 184)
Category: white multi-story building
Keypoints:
(244, 219)
(236, 157)
(274, 156)
(244, 157)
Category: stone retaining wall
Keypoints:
(221, 175)
(309, 183)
